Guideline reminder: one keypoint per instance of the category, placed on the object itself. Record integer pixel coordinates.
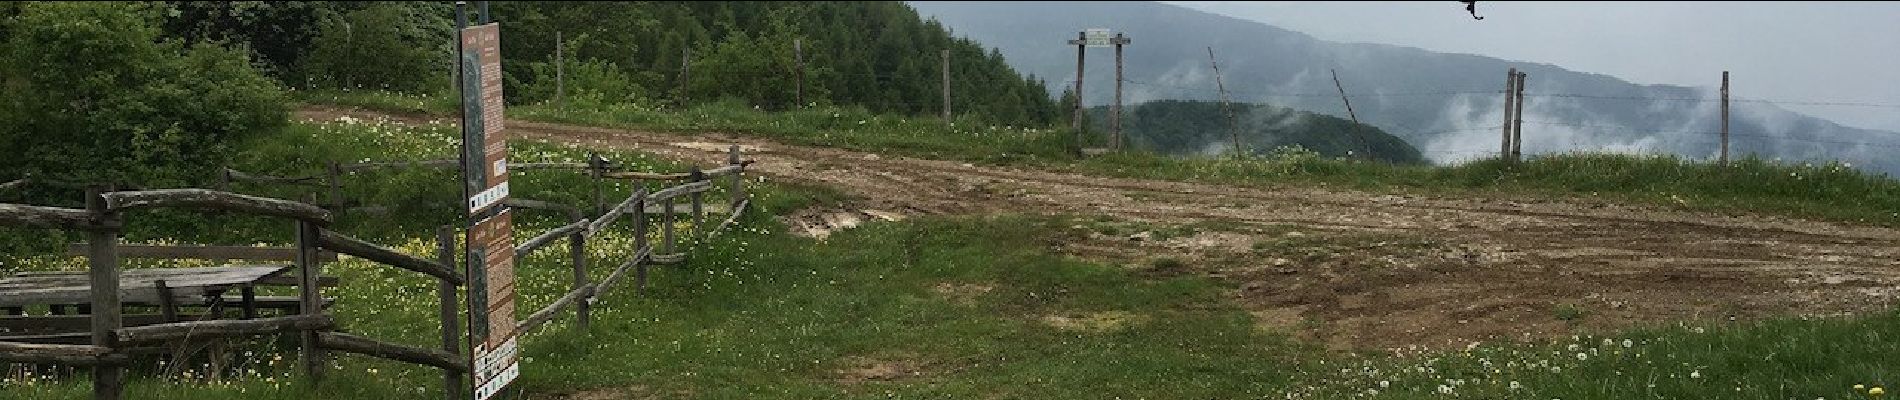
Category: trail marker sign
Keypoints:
(1096, 37)
(491, 248)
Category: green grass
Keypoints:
(1750, 185)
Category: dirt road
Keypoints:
(1364, 270)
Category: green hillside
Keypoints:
(880, 55)
(1201, 127)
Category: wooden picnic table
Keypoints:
(187, 285)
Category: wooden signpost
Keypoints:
(490, 251)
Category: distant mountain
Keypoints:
(1448, 105)
(1201, 127)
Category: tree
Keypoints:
(385, 46)
(113, 102)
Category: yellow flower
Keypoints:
(1876, 391)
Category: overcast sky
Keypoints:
(1803, 51)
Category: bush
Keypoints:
(100, 98)
(386, 46)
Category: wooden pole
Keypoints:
(686, 73)
(1724, 117)
(1233, 126)
(1510, 96)
(699, 215)
(577, 251)
(309, 296)
(1365, 147)
(102, 259)
(1075, 121)
(597, 168)
(1517, 126)
(1115, 117)
(640, 242)
(946, 83)
(798, 58)
(450, 310)
(336, 186)
(560, 71)
(738, 182)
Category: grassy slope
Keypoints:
(762, 314)
(1830, 192)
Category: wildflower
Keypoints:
(1695, 374)
(1627, 343)
(1582, 357)
(1876, 391)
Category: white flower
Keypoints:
(1385, 384)
(1695, 374)
(1627, 343)
(1515, 386)
(1582, 357)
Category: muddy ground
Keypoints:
(1356, 270)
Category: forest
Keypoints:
(171, 87)
(1202, 127)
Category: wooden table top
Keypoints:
(135, 285)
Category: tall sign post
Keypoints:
(490, 249)
(1092, 37)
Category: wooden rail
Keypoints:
(219, 328)
(547, 313)
(356, 247)
(67, 354)
(198, 252)
(212, 199)
(548, 238)
(26, 216)
(370, 347)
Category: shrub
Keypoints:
(99, 97)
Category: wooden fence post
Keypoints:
(450, 310)
(699, 214)
(309, 295)
(577, 250)
(102, 259)
(597, 168)
(666, 225)
(336, 186)
(1517, 126)
(640, 240)
(738, 187)
(1510, 95)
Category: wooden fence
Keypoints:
(112, 344)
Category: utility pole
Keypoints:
(798, 57)
(1517, 128)
(1510, 96)
(1365, 148)
(1724, 117)
(686, 72)
(946, 84)
(560, 71)
(1081, 48)
(1115, 118)
(1233, 126)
